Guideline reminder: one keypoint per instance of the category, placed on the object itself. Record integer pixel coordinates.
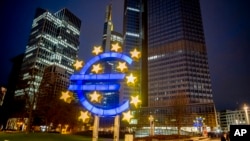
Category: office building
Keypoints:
(178, 69)
(232, 117)
(109, 37)
(177, 52)
(54, 39)
(55, 81)
(135, 36)
(110, 98)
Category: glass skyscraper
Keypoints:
(135, 36)
(53, 40)
(177, 52)
(170, 35)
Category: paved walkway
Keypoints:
(204, 139)
(191, 139)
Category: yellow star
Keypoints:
(135, 54)
(131, 79)
(116, 47)
(84, 116)
(67, 96)
(127, 116)
(97, 50)
(78, 64)
(94, 97)
(135, 100)
(122, 66)
(97, 68)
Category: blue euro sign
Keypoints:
(82, 83)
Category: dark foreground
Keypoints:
(13, 136)
(21, 136)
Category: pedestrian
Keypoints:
(223, 137)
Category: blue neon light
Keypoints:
(98, 77)
(82, 86)
(105, 112)
(105, 55)
(109, 87)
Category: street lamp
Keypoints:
(2, 94)
(151, 120)
(246, 108)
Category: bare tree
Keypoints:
(50, 107)
(29, 87)
(179, 104)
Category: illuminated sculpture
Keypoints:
(97, 50)
(78, 64)
(127, 116)
(84, 116)
(92, 80)
(91, 84)
(83, 83)
(135, 100)
(67, 96)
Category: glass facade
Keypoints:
(177, 52)
(109, 37)
(134, 32)
(54, 39)
(165, 120)
(170, 35)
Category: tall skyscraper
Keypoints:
(177, 52)
(54, 39)
(177, 58)
(109, 35)
(135, 36)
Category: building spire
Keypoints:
(109, 13)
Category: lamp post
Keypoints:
(2, 94)
(245, 109)
(151, 120)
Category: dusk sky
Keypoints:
(226, 25)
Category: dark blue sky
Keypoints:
(226, 26)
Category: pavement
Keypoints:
(192, 139)
(204, 139)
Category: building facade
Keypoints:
(54, 39)
(232, 117)
(176, 54)
(109, 98)
(135, 36)
(55, 80)
(110, 37)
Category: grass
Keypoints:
(42, 137)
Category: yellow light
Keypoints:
(95, 97)
(67, 96)
(78, 64)
(245, 107)
(116, 47)
(122, 66)
(84, 116)
(127, 116)
(97, 50)
(151, 118)
(131, 79)
(135, 100)
(97, 68)
(135, 54)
